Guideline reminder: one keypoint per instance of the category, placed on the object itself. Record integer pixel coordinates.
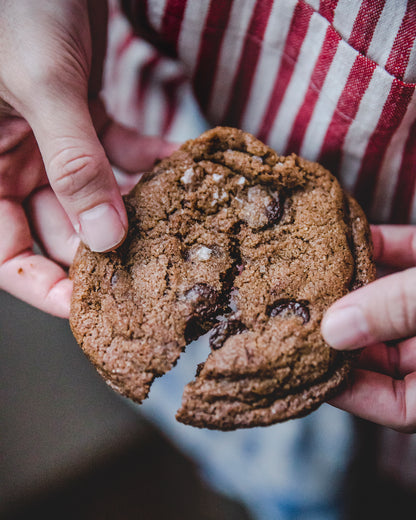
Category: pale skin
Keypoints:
(382, 318)
(57, 187)
(56, 144)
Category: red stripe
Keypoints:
(365, 24)
(400, 53)
(329, 48)
(171, 91)
(172, 21)
(124, 44)
(406, 185)
(244, 77)
(137, 13)
(145, 77)
(393, 112)
(209, 51)
(297, 32)
(327, 9)
(346, 110)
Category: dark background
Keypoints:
(72, 448)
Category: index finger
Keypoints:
(31, 278)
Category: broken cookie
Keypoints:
(227, 236)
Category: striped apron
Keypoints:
(333, 81)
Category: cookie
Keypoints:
(227, 236)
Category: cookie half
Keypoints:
(226, 235)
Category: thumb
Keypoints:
(382, 311)
(79, 171)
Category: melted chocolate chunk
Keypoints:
(118, 276)
(206, 303)
(193, 330)
(114, 279)
(224, 330)
(298, 308)
(205, 299)
(274, 211)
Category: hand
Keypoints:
(56, 183)
(382, 318)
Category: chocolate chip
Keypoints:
(149, 175)
(117, 277)
(193, 330)
(204, 298)
(206, 302)
(216, 250)
(224, 330)
(114, 279)
(232, 302)
(284, 306)
(274, 211)
(199, 367)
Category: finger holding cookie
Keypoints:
(56, 146)
(382, 318)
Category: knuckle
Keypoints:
(409, 301)
(402, 309)
(48, 73)
(47, 70)
(75, 173)
(405, 418)
(399, 392)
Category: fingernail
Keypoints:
(345, 328)
(73, 244)
(101, 228)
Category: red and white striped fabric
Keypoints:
(331, 80)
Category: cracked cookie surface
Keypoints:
(226, 235)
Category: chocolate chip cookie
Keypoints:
(226, 235)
